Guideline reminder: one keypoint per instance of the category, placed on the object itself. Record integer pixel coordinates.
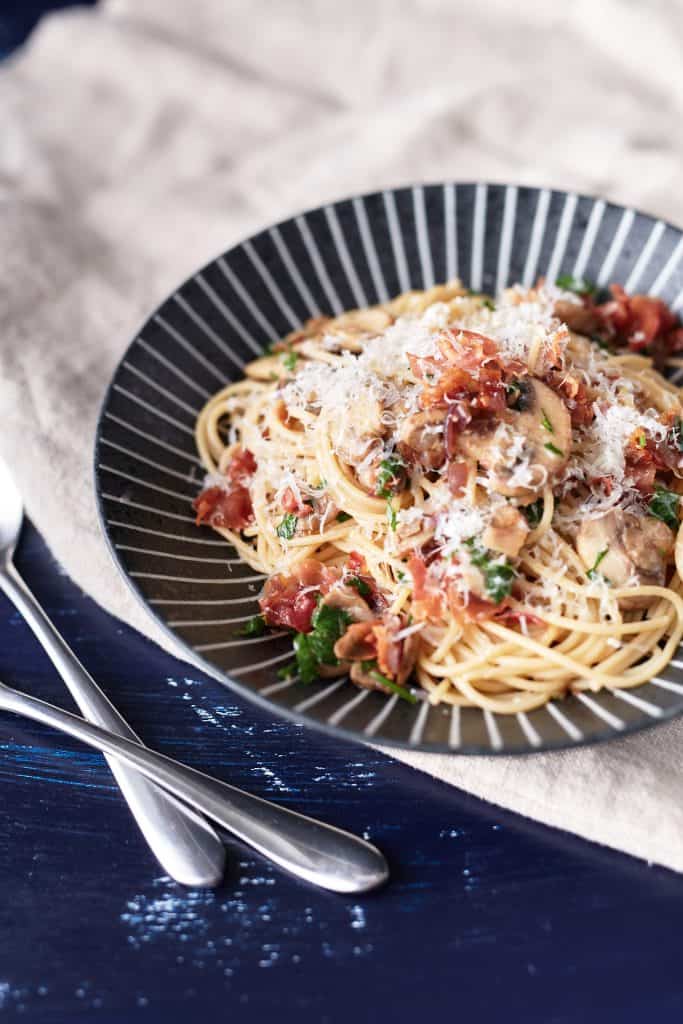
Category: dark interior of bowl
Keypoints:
(352, 253)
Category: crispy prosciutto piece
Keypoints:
(228, 504)
(289, 599)
(641, 322)
(378, 642)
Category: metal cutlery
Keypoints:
(185, 845)
(316, 852)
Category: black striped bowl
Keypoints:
(351, 253)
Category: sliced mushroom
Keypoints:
(577, 317)
(507, 531)
(527, 447)
(357, 643)
(350, 330)
(421, 438)
(623, 547)
(265, 368)
(349, 600)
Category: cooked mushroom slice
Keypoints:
(528, 447)
(421, 438)
(349, 600)
(350, 329)
(357, 643)
(265, 368)
(577, 317)
(507, 531)
(623, 546)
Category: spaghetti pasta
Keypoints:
(475, 499)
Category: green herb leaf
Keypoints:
(575, 284)
(533, 513)
(545, 422)
(677, 434)
(488, 303)
(363, 588)
(593, 573)
(256, 626)
(343, 517)
(372, 670)
(391, 516)
(305, 659)
(289, 360)
(317, 647)
(499, 575)
(554, 449)
(642, 441)
(287, 671)
(287, 527)
(389, 476)
(664, 505)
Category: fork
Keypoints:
(186, 846)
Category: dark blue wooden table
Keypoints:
(486, 918)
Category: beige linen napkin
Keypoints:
(140, 139)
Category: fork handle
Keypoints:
(186, 846)
(316, 852)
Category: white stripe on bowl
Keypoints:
(210, 367)
(370, 249)
(272, 286)
(450, 231)
(186, 623)
(637, 702)
(342, 712)
(381, 716)
(422, 234)
(185, 477)
(175, 536)
(667, 270)
(185, 498)
(172, 368)
(247, 299)
(208, 330)
(572, 730)
(478, 233)
(419, 724)
(244, 670)
(276, 687)
(344, 256)
(397, 242)
(528, 729)
(209, 581)
(615, 248)
(190, 409)
(301, 286)
(506, 235)
(318, 265)
(189, 457)
(230, 318)
(645, 257)
(182, 558)
(495, 739)
(589, 236)
(320, 695)
(667, 684)
(240, 641)
(536, 239)
(147, 508)
(563, 231)
(601, 712)
(454, 729)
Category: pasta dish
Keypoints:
(471, 500)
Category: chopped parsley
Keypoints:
(499, 575)
(578, 285)
(287, 527)
(317, 647)
(545, 422)
(389, 476)
(343, 517)
(664, 506)
(533, 513)
(593, 573)
(256, 626)
(287, 671)
(554, 449)
(391, 516)
(488, 303)
(289, 360)
(642, 441)
(363, 588)
(677, 433)
(373, 671)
